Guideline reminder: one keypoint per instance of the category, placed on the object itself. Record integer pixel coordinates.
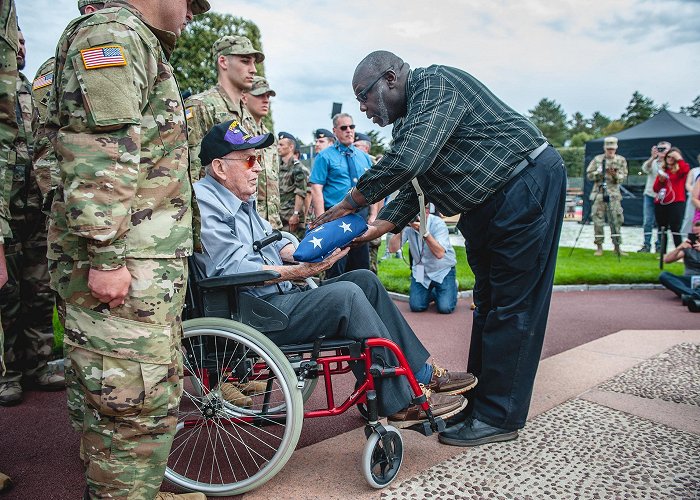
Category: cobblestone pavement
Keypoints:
(582, 449)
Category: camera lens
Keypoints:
(661, 149)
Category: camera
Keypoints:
(692, 238)
(661, 149)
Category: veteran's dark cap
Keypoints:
(359, 136)
(229, 136)
(320, 133)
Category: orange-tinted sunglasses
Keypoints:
(249, 161)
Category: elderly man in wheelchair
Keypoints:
(353, 309)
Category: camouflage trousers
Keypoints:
(26, 303)
(599, 213)
(126, 365)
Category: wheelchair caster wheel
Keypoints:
(382, 457)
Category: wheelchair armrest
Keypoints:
(242, 279)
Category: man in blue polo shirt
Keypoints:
(336, 170)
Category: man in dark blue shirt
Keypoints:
(472, 155)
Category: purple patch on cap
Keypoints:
(237, 136)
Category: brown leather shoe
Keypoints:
(447, 382)
(252, 387)
(442, 405)
(165, 495)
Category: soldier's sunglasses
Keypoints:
(249, 161)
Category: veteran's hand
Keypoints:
(110, 287)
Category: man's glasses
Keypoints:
(345, 127)
(362, 95)
(249, 161)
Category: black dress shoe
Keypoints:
(458, 418)
(686, 298)
(474, 432)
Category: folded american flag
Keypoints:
(319, 243)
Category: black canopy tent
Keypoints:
(635, 143)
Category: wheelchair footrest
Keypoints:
(426, 427)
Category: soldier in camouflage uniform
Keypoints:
(257, 101)
(120, 232)
(8, 132)
(607, 171)
(26, 301)
(295, 193)
(235, 60)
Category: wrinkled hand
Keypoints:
(335, 212)
(3, 267)
(110, 287)
(313, 268)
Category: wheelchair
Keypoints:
(227, 446)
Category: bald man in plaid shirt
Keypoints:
(472, 155)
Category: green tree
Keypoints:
(550, 118)
(580, 139)
(693, 109)
(578, 124)
(598, 123)
(192, 59)
(614, 127)
(378, 147)
(639, 109)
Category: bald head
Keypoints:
(379, 84)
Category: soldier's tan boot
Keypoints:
(231, 393)
(5, 481)
(619, 252)
(166, 495)
(599, 252)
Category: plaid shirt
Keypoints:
(459, 139)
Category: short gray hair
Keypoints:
(338, 116)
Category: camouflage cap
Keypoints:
(200, 6)
(260, 86)
(235, 45)
(85, 3)
(610, 143)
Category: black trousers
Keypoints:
(670, 216)
(511, 243)
(354, 306)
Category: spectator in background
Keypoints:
(670, 200)
(363, 142)
(607, 171)
(689, 252)
(257, 100)
(651, 168)
(324, 138)
(336, 170)
(691, 205)
(295, 196)
(433, 273)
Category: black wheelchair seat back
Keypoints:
(224, 297)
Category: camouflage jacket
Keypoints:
(205, 110)
(44, 159)
(269, 182)
(615, 172)
(122, 149)
(24, 194)
(8, 119)
(294, 180)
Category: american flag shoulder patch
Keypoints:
(103, 57)
(189, 113)
(42, 81)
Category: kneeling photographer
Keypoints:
(689, 251)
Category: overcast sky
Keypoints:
(587, 55)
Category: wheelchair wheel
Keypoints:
(224, 444)
(381, 458)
